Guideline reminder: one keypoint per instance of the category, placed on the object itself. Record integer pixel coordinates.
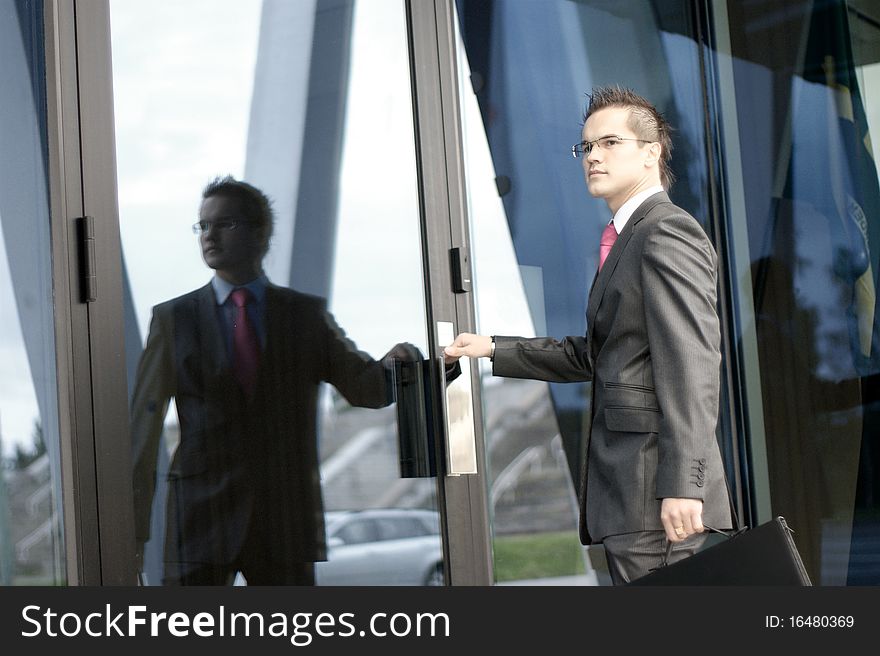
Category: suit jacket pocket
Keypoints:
(632, 420)
(621, 395)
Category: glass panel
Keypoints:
(802, 86)
(534, 226)
(31, 544)
(312, 106)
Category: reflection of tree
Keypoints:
(30, 540)
(26, 456)
(5, 529)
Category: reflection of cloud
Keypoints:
(182, 86)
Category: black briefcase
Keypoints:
(764, 555)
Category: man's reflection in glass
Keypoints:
(243, 359)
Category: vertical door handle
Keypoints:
(458, 409)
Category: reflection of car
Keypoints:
(382, 547)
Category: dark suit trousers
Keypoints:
(632, 555)
(259, 564)
(225, 575)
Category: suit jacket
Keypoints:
(244, 466)
(652, 352)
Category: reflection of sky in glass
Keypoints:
(177, 126)
(27, 344)
(498, 290)
(183, 73)
(377, 292)
(18, 403)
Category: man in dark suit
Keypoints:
(243, 360)
(652, 469)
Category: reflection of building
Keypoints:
(35, 531)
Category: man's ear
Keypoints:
(654, 152)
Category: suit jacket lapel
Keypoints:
(281, 323)
(214, 355)
(272, 325)
(600, 282)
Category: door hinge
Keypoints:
(461, 269)
(88, 272)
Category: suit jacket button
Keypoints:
(701, 476)
(702, 461)
(699, 483)
(702, 468)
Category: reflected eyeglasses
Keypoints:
(223, 225)
(608, 142)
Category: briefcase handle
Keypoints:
(729, 533)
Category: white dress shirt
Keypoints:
(626, 210)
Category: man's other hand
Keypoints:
(681, 518)
(404, 352)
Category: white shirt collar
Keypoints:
(223, 289)
(626, 210)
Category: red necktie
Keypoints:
(609, 236)
(245, 349)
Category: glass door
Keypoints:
(285, 438)
(31, 518)
(535, 233)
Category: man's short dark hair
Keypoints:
(255, 205)
(644, 120)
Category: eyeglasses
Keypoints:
(223, 225)
(608, 142)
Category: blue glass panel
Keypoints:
(812, 204)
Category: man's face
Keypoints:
(234, 252)
(616, 173)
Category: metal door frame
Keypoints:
(96, 497)
(97, 493)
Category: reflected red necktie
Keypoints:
(245, 349)
(609, 236)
